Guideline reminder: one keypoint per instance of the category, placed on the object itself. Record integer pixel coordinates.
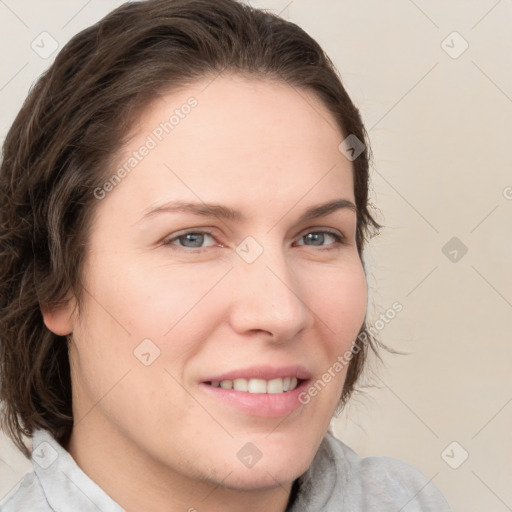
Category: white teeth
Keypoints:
(240, 385)
(273, 386)
(226, 384)
(257, 386)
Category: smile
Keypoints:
(254, 385)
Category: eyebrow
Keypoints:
(224, 212)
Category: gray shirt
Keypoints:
(338, 480)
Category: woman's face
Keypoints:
(181, 301)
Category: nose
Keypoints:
(268, 297)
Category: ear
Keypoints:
(59, 319)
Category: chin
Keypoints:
(258, 481)
(269, 474)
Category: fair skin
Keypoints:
(160, 437)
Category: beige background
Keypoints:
(441, 127)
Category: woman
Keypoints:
(184, 210)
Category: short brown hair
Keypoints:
(60, 145)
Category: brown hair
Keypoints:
(59, 148)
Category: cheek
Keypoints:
(140, 325)
(174, 306)
(165, 299)
(339, 300)
(145, 292)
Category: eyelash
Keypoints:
(339, 240)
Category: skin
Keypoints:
(150, 436)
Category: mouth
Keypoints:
(255, 385)
(259, 391)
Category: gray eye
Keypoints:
(321, 238)
(316, 238)
(192, 240)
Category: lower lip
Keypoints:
(266, 405)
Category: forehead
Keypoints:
(234, 136)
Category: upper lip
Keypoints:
(263, 372)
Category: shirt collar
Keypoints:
(319, 486)
(64, 484)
